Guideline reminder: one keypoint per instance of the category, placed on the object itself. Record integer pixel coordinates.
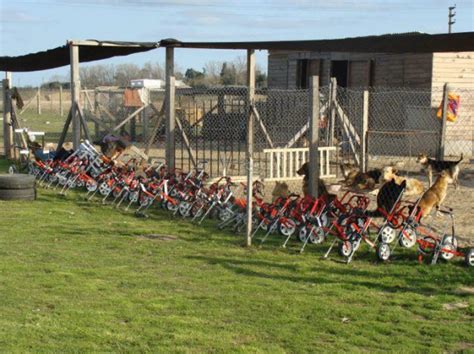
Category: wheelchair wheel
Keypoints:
(387, 234)
(383, 252)
(469, 257)
(345, 248)
(287, 228)
(408, 238)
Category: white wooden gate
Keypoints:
(284, 162)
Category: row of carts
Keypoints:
(343, 222)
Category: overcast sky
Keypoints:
(34, 25)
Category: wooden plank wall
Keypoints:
(457, 69)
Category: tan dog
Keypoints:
(435, 195)
(413, 186)
(281, 190)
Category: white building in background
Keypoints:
(154, 84)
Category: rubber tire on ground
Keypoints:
(16, 181)
(18, 194)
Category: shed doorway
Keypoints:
(339, 70)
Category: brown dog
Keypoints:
(353, 177)
(435, 195)
(304, 171)
(413, 186)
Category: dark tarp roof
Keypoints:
(57, 57)
(414, 42)
(391, 43)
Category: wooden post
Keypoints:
(363, 136)
(170, 108)
(61, 108)
(8, 145)
(314, 137)
(442, 138)
(250, 136)
(96, 113)
(38, 101)
(75, 92)
(332, 109)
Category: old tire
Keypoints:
(18, 194)
(16, 181)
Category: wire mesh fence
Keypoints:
(211, 124)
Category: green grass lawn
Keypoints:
(78, 276)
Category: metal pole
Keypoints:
(443, 122)
(314, 137)
(451, 20)
(170, 108)
(8, 147)
(75, 92)
(250, 138)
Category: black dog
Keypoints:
(388, 195)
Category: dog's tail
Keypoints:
(461, 158)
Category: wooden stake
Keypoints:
(61, 108)
(38, 101)
(314, 137)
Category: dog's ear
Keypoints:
(404, 183)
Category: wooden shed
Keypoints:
(358, 63)
(415, 61)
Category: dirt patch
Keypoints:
(158, 237)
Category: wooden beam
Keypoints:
(159, 115)
(8, 145)
(186, 141)
(314, 137)
(30, 101)
(250, 140)
(131, 116)
(83, 123)
(170, 108)
(303, 130)
(153, 133)
(62, 137)
(262, 126)
(75, 91)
